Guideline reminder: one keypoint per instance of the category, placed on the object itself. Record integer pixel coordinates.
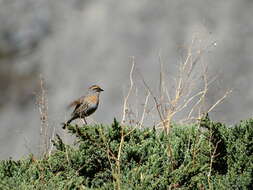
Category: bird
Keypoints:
(85, 105)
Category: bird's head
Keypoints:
(95, 88)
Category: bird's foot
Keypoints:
(84, 121)
(64, 125)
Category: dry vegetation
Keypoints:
(180, 98)
(187, 94)
(46, 132)
(177, 155)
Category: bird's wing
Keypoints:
(76, 102)
(80, 108)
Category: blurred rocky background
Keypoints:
(74, 44)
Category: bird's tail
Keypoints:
(68, 122)
(74, 103)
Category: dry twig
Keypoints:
(185, 102)
(125, 107)
(42, 103)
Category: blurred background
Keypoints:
(74, 44)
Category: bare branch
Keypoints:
(42, 103)
(219, 101)
(144, 110)
(125, 107)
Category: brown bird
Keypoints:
(85, 105)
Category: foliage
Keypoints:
(206, 155)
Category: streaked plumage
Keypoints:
(85, 105)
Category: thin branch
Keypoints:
(213, 155)
(51, 146)
(125, 109)
(154, 98)
(42, 103)
(144, 110)
(219, 101)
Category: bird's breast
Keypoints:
(93, 99)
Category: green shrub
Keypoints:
(206, 155)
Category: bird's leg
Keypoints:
(84, 121)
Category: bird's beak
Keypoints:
(101, 89)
